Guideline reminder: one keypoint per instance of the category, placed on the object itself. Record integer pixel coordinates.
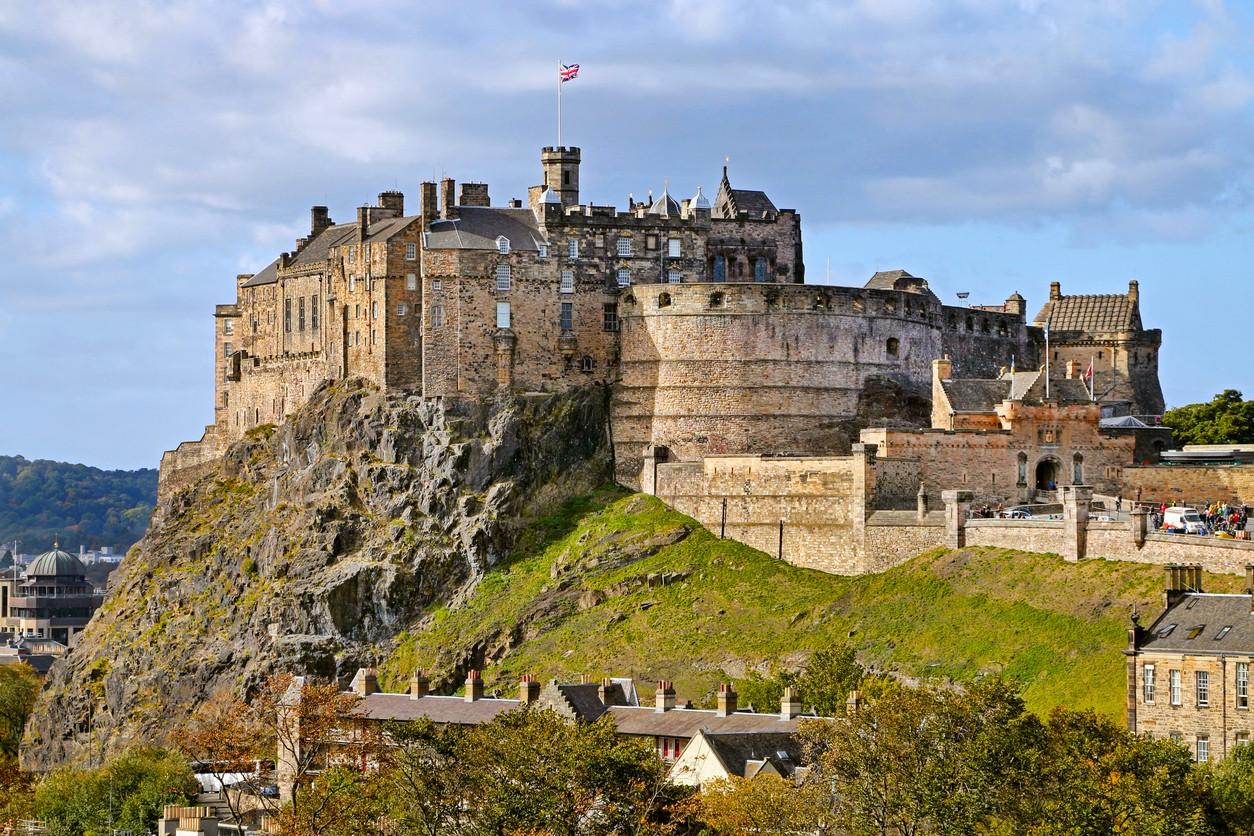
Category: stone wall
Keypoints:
(818, 503)
(1220, 722)
(1190, 484)
(1045, 536)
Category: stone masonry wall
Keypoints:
(1190, 484)
(1220, 722)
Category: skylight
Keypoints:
(1194, 632)
(1223, 632)
(1166, 631)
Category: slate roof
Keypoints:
(319, 249)
(1210, 612)
(976, 395)
(753, 201)
(268, 275)
(1096, 312)
(583, 700)
(686, 722)
(888, 279)
(744, 755)
(1125, 421)
(386, 228)
(440, 709)
(478, 227)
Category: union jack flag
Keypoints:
(568, 72)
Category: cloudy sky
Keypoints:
(151, 151)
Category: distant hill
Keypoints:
(44, 500)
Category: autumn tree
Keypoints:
(422, 776)
(766, 805)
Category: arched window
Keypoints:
(663, 300)
(1023, 468)
(716, 300)
(759, 269)
(587, 364)
(892, 346)
(1077, 469)
(502, 245)
(720, 268)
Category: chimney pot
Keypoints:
(428, 203)
(448, 205)
(528, 689)
(474, 686)
(365, 682)
(319, 220)
(1055, 291)
(419, 685)
(664, 699)
(726, 700)
(790, 704)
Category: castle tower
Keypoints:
(561, 172)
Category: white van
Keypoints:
(1184, 519)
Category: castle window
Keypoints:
(372, 333)
(437, 284)
(313, 312)
(650, 242)
(504, 279)
(1201, 682)
(892, 346)
(352, 251)
(227, 349)
(544, 250)
(572, 248)
(759, 269)
(566, 177)
(411, 281)
(672, 248)
(1077, 469)
(356, 311)
(1203, 749)
(287, 315)
(300, 313)
(502, 315)
(411, 251)
(587, 364)
(1147, 678)
(673, 277)
(1099, 355)
(502, 245)
(664, 300)
(228, 327)
(356, 338)
(401, 309)
(598, 241)
(716, 300)
(374, 310)
(352, 282)
(567, 318)
(624, 278)
(609, 316)
(1023, 468)
(437, 316)
(568, 282)
(720, 268)
(624, 246)
(1243, 684)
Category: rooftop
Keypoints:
(1203, 623)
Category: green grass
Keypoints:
(1056, 628)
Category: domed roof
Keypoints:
(699, 200)
(56, 563)
(1015, 297)
(664, 205)
(550, 196)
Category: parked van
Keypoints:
(1186, 520)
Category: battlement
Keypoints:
(564, 150)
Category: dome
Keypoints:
(56, 563)
(664, 205)
(699, 200)
(550, 196)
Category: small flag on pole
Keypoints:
(1088, 373)
(569, 72)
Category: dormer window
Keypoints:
(544, 250)
(502, 245)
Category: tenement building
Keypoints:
(1188, 673)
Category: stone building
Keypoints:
(1188, 673)
(53, 600)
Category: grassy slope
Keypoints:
(1057, 628)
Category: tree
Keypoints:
(823, 684)
(1226, 419)
(766, 805)
(127, 793)
(228, 739)
(19, 685)
(1232, 792)
(422, 776)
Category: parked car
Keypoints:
(1185, 520)
(1018, 512)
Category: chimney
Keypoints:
(1181, 579)
(394, 201)
(607, 693)
(726, 700)
(1055, 291)
(515, 203)
(1134, 291)
(419, 685)
(363, 222)
(474, 687)
(853, 703)
(474, 194)
(428, 206)
(942, 369)
(1249, 578)
(319, 220)
(789, 704)
(921, 502)
(365, 682)
(528, 689)
(664, 699)
(448, 209)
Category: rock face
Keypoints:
(308, 548)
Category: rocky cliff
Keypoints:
(309, 548)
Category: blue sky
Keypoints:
(151, 151)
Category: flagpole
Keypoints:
(1092, 378)
(559, 103)
(1047, 358)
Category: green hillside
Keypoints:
(577, 598)
(43, 500)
